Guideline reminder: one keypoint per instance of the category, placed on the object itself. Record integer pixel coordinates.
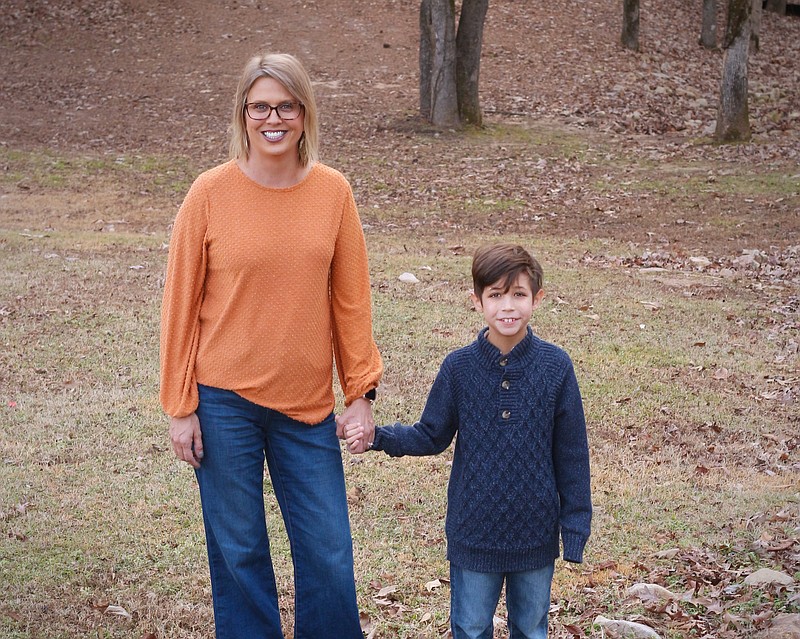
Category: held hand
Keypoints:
(354, 436)
(352, 433)
(359, 413)
(187, 441)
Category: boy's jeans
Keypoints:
(474, 597)
(305, 468)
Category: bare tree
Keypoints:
(449, 61)
(708, 34)
(733, 121)
(630, 24)
(469, 42)
(755, 26)
(438, 93)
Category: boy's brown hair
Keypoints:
(495, 262)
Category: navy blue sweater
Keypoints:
(520, 472)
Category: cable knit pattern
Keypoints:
(520, 472)
(263, 287)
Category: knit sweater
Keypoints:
(263, 288)
(520, 473)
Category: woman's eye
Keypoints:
(259, 107)
(286, 106)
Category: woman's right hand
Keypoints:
(187, 441)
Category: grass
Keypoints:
(44, 169)
(95, 512)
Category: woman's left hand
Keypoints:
(360, 411)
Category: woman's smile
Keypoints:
(274, 136)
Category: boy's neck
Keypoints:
(505, 345)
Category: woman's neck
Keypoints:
(278, 174)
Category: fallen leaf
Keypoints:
(387, 590)
(650, 592)
(355, 496)
(119, 611)
(785, 545)
(432, 585)
(367, 626)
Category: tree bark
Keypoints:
(708, 35)
(469, 41)
(733, 121)
(437, 58)
(776, 6)
(630, 24)
(426, 42)
(755, 26)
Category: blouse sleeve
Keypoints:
(358, 362)
(180, 310)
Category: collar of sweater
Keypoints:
(521, 355)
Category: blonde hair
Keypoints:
(287, 70)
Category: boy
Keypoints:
(520, 474)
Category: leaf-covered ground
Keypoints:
(133, 78)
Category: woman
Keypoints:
(267, 285)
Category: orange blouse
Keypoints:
(266, 289)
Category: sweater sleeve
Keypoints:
(180, 310)
(432, 434)
(571, 461)
(358, 362)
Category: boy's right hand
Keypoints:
(354, 436)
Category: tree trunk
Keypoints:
(708, 35)
(776, 6)
(468, 59)
(755, 26)
(426, 43)
(630, 24)
(733, 122)
(437, 57)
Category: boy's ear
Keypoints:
(537, 299)
(476, 302)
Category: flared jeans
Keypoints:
(305, 469)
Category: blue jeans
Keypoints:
(474, 597)
(305, 467)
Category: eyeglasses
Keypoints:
(262, 110)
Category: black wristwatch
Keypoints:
(370, 395)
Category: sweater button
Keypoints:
(506, 384)
(504, 361)
(506, 414)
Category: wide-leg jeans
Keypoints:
(305, 468)
(474, 597)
